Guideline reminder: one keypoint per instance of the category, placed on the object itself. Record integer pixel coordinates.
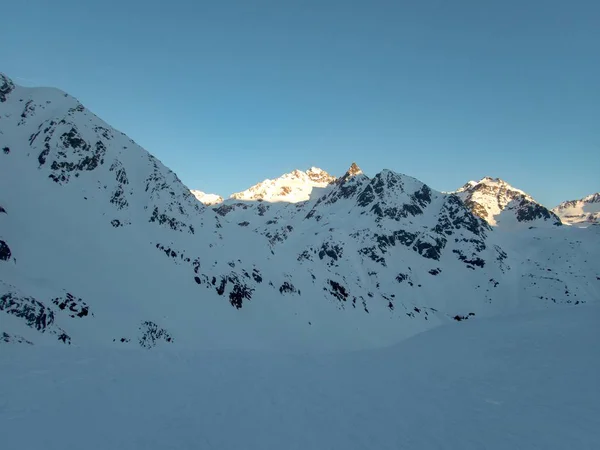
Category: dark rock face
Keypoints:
(455, 215)
(13, 339)
(288, 288)
(425, 244)
(473, 261)
(151, 334)
(118, 197)
(257, 276)
(74, 305)
(429, 249)
(5, 252)
(90, 156)
(381, 193)
(401, 277)
(177, 202)
(528, 211)
(332, 251)
(6, 87)
(34, 313)
(239, 293)
(371, 253)
(460, 318)
(337, 290)
(70, 153)
(278, 236)
(239, 290)
(171, 222)
(223, 210)
(233, 282)
(262, 209)
(403, 237)
(28, 110)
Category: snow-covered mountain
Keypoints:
(291, 187)
(500, 204)
(583, 211)
(101, 244)
(207, 199)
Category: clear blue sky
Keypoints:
(228, 93)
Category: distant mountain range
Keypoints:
(492, 199)
(101, 244)
(585, 210)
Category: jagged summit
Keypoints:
(319, 175)
(292, 187)
(582, 211)
(354, 173)
(499, 203)
(353, 170)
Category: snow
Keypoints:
(580, 212)
(207, 199)
(96, 224)
(499, 203)
(518, 381)
(323, 318)
(292, 187)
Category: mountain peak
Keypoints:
(494, 179)
(494, 200)
(354, 170)
(494, 185)
(319, 175)
(207, 199)
(292, 187)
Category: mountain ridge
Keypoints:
(103, 245)
(582, 211)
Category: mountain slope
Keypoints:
(583, 211)
(500, 204)
(473, 385)
(103, 245)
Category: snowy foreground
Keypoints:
(514, 382)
